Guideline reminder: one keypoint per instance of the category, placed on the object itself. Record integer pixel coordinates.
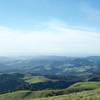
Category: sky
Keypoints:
(50, 27)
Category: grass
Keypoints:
(86, 85)
(63, 94)
(22, 95)
(14, 95)
(27, 95)
(86, 95)
(36, 79)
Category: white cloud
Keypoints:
(54, 38)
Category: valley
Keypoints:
(49, 78)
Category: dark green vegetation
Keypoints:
(14, 81)
(27, 86)
(26, 78)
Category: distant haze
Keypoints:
(53, 40)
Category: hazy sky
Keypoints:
(50, 27)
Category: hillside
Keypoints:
(36, 79)
(86, 95)
(29, 95)
(25, 95)
(39, 77)
(81, 86)
(74, 92)
(52, 65)
(15, 81)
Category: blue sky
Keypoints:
(22, 14)
(63, 27)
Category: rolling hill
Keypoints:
(51, 65)
(92, 93)
(39, 77)
(86, 95)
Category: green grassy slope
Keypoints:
(84, 86)
(22, 95)
(36, 79)
(86, 95)
(71, 93)
(87, 84)
(28, 95)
